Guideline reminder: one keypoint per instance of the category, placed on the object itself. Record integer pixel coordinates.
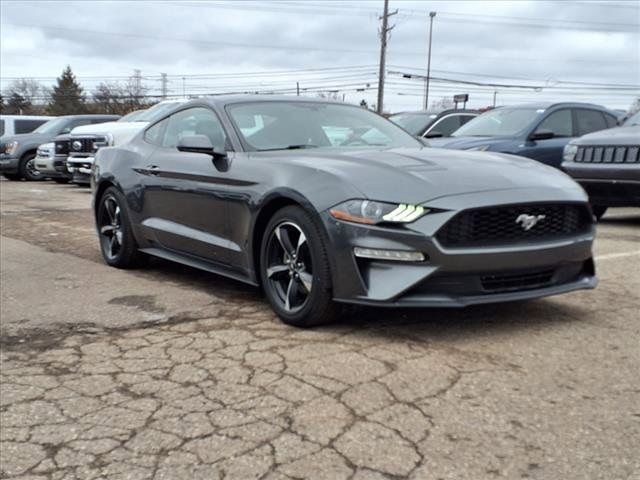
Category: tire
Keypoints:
(599, 211)
(298, 287)
(117, 243)
(28, 169)
(14, 177)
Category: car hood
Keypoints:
(27, 138)
(108, 127)
(465, 143)
(612, 136)
(408, 175)
(121, 132)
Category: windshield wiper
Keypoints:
(289, 147)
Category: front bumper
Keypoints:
(9, 164)
(452, 277)
(80, 169)
(611, 184)
(55, 167)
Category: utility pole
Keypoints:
(495, 92)
(183, 88)
(426, 90)
(137, 82)
(298, 89)
(384, 31)
(164, 82)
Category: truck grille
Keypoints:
(491, 226)
(86, 146)
(62, 147)
(607, 154)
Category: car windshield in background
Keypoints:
(133, 116)
(632, 121)
(155, 112)
(503, 121)
(414, 123)
(282, 125)
(52, 126)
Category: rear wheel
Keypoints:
(294, 268)
(599, 211)
(118, 246)
(28, 168)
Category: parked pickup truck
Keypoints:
(17, 152)
(85, 141)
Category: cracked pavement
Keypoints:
(171, 373)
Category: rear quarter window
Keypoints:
(590, 121)
(26, 126)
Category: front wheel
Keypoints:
(117, 244)
(28, 168)
(294, 269)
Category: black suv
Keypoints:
(17, 152)
(607, 165)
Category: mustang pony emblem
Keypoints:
(529, 221)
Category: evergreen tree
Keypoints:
(67, 97)
(2, 105)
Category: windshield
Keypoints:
(503, 121)
(133, 116)
(632, 121)
(52, 126)
(157, 111)
(414, 123)
(291, 125)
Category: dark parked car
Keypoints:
(17, 152)
(536, 130)
(322, 203)
(432, 125)
(607, 165)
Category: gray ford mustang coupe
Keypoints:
(323, 203)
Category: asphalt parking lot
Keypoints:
(171, 373)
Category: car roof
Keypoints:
(26, 117)
(90, 116)
(222, 100)
(441, 112)
(546, 105)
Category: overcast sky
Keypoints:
(556, 47)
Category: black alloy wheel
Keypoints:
(295, 269)
(117, 243)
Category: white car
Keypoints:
(85, 141)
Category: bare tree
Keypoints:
(27, 96)
(119, 98)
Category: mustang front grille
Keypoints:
(520, 281)
(608, 154)
(492, 226)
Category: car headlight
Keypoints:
(372, 213)
(479, 148)
(569, 153)
(11, 147)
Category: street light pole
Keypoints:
(426, 90)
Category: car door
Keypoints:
(549, 151)
(589, 121)
(184, 192)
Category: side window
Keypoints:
(465, 118)
(611, 120)
(589, 121)
(446, 126)
(154, 133)
(559, 122)
(194, 121)
(26, 126)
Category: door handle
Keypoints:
(153, 169)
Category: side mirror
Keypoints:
(542, 134)
(433, 134)
(202, 144)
